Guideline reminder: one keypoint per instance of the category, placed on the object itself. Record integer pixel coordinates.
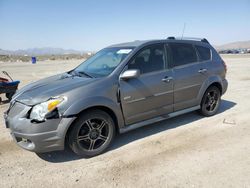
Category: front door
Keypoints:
(151, 94)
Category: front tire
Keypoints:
(92, 133)
(211, 101)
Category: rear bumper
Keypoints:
(224, 86)
(37, 137)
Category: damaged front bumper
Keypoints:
(39, 137)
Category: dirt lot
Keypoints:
(186, 151)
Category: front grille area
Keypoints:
(11, 105)
(18, 109)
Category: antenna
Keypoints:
(184, 27)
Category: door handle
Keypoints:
(202, 70)
(167, 79)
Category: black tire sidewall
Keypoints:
(203, 108)
(74, 145)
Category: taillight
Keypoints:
(225, 66)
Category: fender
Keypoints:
(89, 102)
(209, 81)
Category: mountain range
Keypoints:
(61, 51)
(234, 45)
(40, 51)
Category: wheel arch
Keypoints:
(218, 85)
(212, 81)
(102, 108)
(117, 120)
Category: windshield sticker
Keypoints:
(124, 51)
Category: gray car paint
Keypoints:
(134, 103)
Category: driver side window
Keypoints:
(150, 59)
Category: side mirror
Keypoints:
(128, 74)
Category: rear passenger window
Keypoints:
(182, 54)
(204, 53)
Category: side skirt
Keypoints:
(157, 119)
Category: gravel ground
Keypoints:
(186, 151)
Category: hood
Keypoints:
(44, 89)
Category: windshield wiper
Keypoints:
(86, 74)
(80, 73)
(73, 73)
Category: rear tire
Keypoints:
(211, 101)
(91, 133)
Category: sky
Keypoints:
(92, 24)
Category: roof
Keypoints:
(141, 42)
(130, 44)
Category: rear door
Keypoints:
(189, 75)
(151, 94)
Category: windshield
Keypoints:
(103, 62)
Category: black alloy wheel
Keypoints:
(92, 133)
(211, 101)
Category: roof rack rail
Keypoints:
(188, 38)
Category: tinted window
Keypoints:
(204, 53)
(183, 54)
(149, 59)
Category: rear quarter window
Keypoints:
(182, 54)
(204, 53)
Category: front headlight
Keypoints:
(39, 111)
